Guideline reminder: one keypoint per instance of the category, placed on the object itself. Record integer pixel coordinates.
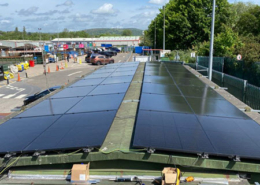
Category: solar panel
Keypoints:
(183, 114)
(86, 82)
(152, 88)
(50, 107)
(164, 103)
(158, 79)
(73, 130)
(74, 92)
(98, 103)
(100, 75)
(118, 79)
(78, 116)
(124, 73)
(16, 134)
(110, 89)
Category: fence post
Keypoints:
(222, 79)
(196, 64)
(244, 92)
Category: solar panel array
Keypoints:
(78, 116)
(180, 113)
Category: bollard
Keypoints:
(7, 81)
(26, 75)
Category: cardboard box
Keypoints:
(169, 176)
(80, 172)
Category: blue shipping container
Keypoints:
(106, 45)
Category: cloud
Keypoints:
(38, 19)
(50, 12)
(144, 15)
(81, 18)
(5, 4)
(148, 8)
(66, 3)
(159, 2)
(5, 21)
(28, 11)
(106, 8)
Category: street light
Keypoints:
(163, 27)
(212, 40)
(155, 34)
(40, 33)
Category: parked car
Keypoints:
(101, 59)
(114, 49)
(87, 58)
(36, 96)
(108, 53)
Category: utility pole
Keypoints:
(155, 35)
(212, 41)
(40, 33)
(164, 28)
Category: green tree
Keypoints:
(127, 33)
(188, 22)
(249, 22)
(16, 30)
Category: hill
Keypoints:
(112, 31)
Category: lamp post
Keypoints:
(212, 40)
(40, 33)
(155, 35)
(163, 27)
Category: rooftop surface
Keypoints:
(121, 110)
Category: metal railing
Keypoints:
(241, 89)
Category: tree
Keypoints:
(127, 33)
(249, 22)
(188, 22)
(16, 30)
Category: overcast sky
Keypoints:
(55, 15)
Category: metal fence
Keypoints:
(241, 89)
(249, 71)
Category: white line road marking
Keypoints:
(2, 95)
(9, 96)
(21, 96)
(75, 73)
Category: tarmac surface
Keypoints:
(12, 95)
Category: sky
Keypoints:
(56, 15)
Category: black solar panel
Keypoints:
(110, 89)
(75, 131)
(16, 134)
(98, 103)
(78, 116)
(50, 107)
(74, 92)
(183, 114)
(95, 81)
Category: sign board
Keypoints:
(193, 54)
(239, 57)
(81, 46)
(1, 44)
(46, 48)
(163, 52)
(65, 46)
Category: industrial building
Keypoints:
(97, 42)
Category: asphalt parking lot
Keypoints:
(12, 95)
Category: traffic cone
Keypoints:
(19, 78)
(49, 70)
(61, 67)
(66, 64)
(57, 68)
